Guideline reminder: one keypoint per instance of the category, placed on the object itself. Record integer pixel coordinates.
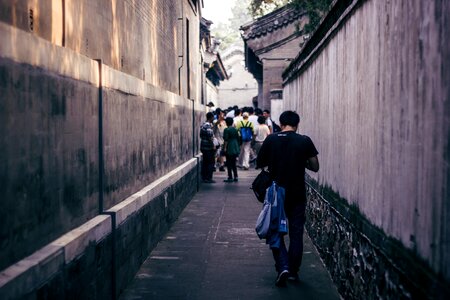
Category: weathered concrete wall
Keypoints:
(58, 103)
(147, 131)
(49, 144)
(373, 95)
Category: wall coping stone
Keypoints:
(24, 276)
(138, 200)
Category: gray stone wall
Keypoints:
(144, 138)
(51, 88)
(371, 87)
(364, 262)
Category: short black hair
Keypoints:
(209, 116)
(261, 120)
(267, 111)
(229, 121)
(290, 118)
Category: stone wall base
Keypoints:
(98, 259)
(363, 262)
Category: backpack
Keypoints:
(246, 132)
(275, 127)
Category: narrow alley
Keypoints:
(212, 252)
(114, 112)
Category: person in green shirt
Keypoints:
(231, 148)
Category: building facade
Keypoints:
(271, 43)
(213, 66)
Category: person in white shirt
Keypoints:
(230, 114)
(252, 117)
(238, 117)
(261, 132)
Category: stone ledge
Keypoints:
(75, 241)
(138, 200)
(26, 275)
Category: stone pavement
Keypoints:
(213, 252)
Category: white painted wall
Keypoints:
(376, 103)
(240, 88)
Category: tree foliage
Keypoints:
(314, 8)
(259, 8)
(228, 33)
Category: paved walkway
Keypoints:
(213, 252)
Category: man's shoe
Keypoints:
(293, 277)
(235, 180)
(282, 277)
(209, 181)
(222, 169)
(228, 180)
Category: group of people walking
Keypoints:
(285, 153)
(232, 138)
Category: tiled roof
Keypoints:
(270, 22)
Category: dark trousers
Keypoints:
(231, 166)
(208, 164)
(291, 259)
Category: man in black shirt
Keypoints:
(287, 154)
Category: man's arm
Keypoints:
(312, 164)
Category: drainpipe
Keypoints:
(101, 172)
(63, 42)
(100, 138)
(181, 19)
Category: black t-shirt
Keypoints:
(285, 154)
